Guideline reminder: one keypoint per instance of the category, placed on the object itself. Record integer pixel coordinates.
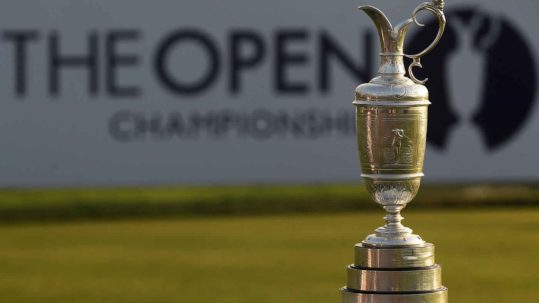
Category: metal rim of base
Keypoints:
(438, 296)
(425, 279)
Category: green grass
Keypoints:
(75, 204)
(488, 256)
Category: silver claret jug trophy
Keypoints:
(393, 265)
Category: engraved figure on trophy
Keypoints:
(398, 148)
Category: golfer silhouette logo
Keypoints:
(483, 80)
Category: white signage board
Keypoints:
(231, 92)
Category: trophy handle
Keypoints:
(435, 8)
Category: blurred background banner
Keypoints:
(219, 92)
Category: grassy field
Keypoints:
(488, 256)
(33, 205)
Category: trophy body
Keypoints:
(393, 265)
(392, 134)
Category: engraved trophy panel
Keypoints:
(391, 140)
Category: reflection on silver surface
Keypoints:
(391, 258)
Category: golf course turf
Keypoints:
(487, 256)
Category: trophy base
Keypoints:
(394, 275)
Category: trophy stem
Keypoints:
(393, 217)
(393, 233)
(394, 228)
(393, 195)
